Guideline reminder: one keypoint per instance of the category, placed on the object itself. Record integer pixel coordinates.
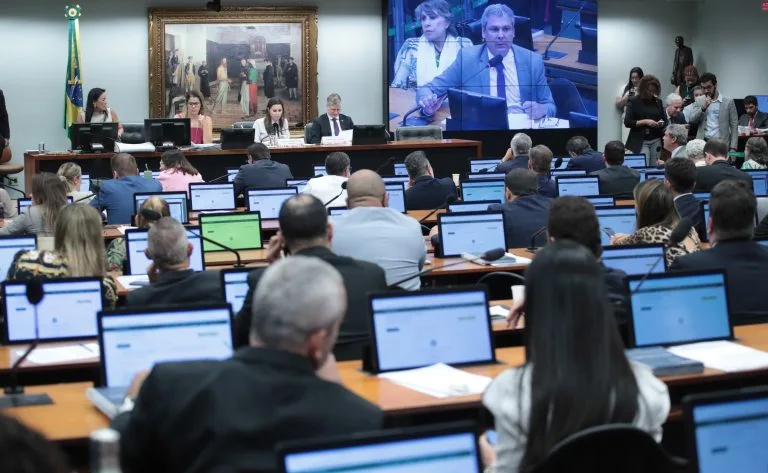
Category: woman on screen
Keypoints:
(533, 405)
(656, 219)
(176, 172)
(201, 126)
(626, 92)
(274, 120)
(422, 59)
(97, 110)
(116, 250)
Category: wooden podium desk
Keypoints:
(446, 157)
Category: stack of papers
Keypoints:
(439, 380)
(499, 312)
(133, 282)
(723, 356)
(121, 147)
(63, 354)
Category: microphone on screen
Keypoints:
(532, 248)
(389, 160)
(448, 201)
(679, 233)
(343, 188)
(490, 255)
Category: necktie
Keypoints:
(752, 122)
(336, 130)
(501, 86)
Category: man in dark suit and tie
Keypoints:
(674, 109)
(426, 192)
(680, 178)
(753, 118)
(305, 231)
(731, 223)
(227, 416)
(583, 156)
(331, 123)
(525, 211)
(261, 171)
(718, 168)
(616, 179)
(517, 154)
(173, 282)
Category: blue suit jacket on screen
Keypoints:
(470, 71)
(116, 197)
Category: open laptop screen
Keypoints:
(400, 169)
(24, 203)
(422, 328)
(570, 185)
(299, 184)
(9, 246)
(654, 174)
(676, 308)
(471, 232)
(319, 170)
(564, 160)
(568, 173)
(232, 173)
(269, 201)
(85, 182)
(68, 310)
(615, 220)
(239, 230)
(136, 340)
(634, 160)
(235, 284)
(136, 243)
(396, 191)
(336, 211)
(390, 179)
(177, 203)
(479, 206)
(635, 260)
(212, 196)
(482, 189)
(601, 200)
(483, 165)
(486, 175)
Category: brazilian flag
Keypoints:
(73, 101)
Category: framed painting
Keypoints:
(237, 60)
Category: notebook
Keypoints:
(177, 203)
(471, 232)
(601, 200)
(396, 191)
(421, 328)
(635, 259)
(483, 165)
(482, 190)
(136, 243)
(133, 340)
(634, 160)
(234, 283)
(269, 201)
(619, 219)
(66, 312)
(478, 206)
(9, 246)
(212, 196)
(237, 230)
(575, 185)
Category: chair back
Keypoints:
(242, 125)
(429, 132)
(133, 133)
(307, 130)
(567, 98)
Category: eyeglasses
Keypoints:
(194, 104)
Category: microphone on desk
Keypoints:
(152, 216)
(532, 248)
(679, 234)
(448, 201)
(89, 196)
(343, 188)
(14, 394)
(490, 255)
(563, 29)
(218, 179)
(389, 160)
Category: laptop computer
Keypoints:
(482, 190)
(299, 184)
(404, 179)
(85, 182)
(234, 283)
(133, 340)
(237, 230)
(483, 165)
(486, 175)
(577, 185)
(678, 308)
(9, 246)
(269, 201)
(177, 203)
(726, 430)
(136, 243)
(421, 328)
(231, 173)
(759, 184)
(705, 196)
(478, 206)
(335, 211)
(433, 449)
(319, 170)
(470, 234)
(634, 161)
(66, 312)
(567, 172)
(652, 174)
(762, 241)
(618, 219)
(24, 203)
(204, 196)
(601, 200)
(563, 160)
(396, 191)
(635, 259)
(400, 169)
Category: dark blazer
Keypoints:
(185, 287)
(360, 278)
(618, 181)
(523, 217)
(590, 161)
(689, 206)
(761, 120)
(746, 266)
(227, 416)
(639, 109)
(547, 186)
(678, 120)
(428, 193)
(5, 129)
(707, 177)
(262, 173)
(614, 282)
(321, 127)
(116, 196)
(518, 162)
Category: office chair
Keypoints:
(242, 125)
(608, 449)
(133, 133)
(428, 132)
(567, 98)
(307, 130)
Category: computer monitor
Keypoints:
(9, 246)
(483, 165)
(299, 184)
(421, 328)
(133, 340)
(652, 174)
(237, 138)
(404, 179)
(93, 137)
(136, 243)
(702, 196)
(66, 312)
(396, 191)
(555, 173)
(23, 203)
(562, 160)
(232, 173)
(336, 211)
(400, 169)
(474, 111)
(574, 185)
(679, 307)
(482, 189)
(433, 449)
(478, 206)
(369, 134)
(725, 430)
(269, 201)
(471, 232)
(234, 283)
(319, 170)
(762, 102)
(601, 200)
(177, 203)
(635, 259)
(618, 219)
(634, 161)
(85, 182)
(237, 230)
(212, 196)
(486, 175)
(759, 183)
(167, 132)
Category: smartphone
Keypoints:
(609, 231)
(492, 437)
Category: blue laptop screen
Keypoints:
(483, 165)
(459, 207)
(634, 160)
(483, 190)
(568, 172)
(615, 220)
(471, 233)
(578, 186)
(759, 184)
(634, 260)
(269, 201)
(602, 201)
(396, 193)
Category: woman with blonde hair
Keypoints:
(72, 174)
(116, 250)
(77, 252)
(176, 172)
(49, 195)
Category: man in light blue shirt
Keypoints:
(715, 115)
(371, 231)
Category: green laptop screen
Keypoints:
(239, 231)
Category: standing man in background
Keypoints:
(716, 115)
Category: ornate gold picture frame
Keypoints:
(237, 59)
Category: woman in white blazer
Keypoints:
(266, 126)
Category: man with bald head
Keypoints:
(371, 231)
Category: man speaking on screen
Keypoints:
(496, 68)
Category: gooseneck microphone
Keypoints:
(679, 234)
(389, 160)
(563, 29)
(490, 255)
(532, 248)
(343, 188)
(448, 201)
(218, 179)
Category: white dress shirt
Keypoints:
(262, 133)
(326, 188)
(510, 80)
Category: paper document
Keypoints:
(439, 380)
(126, 281)
(123, 228)
(499, 312)
(134, 147)
(63, 354)
(723, 356)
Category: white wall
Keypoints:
(115, 56)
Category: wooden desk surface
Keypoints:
(569, 46)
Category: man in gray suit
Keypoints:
(715, 115)
(753, 117)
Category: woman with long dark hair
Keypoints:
(576, 374)
(626, 92)
(646, 119)
(274, 122)
(201, 125)
(97, 110)
(176, 172)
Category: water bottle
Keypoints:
(105, 451)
